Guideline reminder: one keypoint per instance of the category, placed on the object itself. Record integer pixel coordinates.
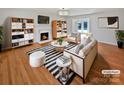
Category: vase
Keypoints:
(120, 44)
(0, 47)
(60, 43)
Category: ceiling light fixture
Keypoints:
(63, 12)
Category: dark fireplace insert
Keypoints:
(44, 36)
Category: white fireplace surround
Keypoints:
(49, 36)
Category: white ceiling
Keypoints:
(72, 11)
(83, 11)
(77, 11)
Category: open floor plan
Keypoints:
(61, 46)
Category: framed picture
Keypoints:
(108, 22)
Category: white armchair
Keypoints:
(73, 37)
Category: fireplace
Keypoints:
(44, 36)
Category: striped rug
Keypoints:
(51, 56)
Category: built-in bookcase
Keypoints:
(59, 28)
(22, 31)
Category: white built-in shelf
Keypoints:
(22, 31)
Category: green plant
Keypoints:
(120, 35)
(1, 34)
(60, 40)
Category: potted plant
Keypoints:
(1, 36)
(60, 40)
(120, 38)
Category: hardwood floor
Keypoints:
(109, 57)
(15, 68)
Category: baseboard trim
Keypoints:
(8, 48)
(107, 43)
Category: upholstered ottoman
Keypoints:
(37, 59)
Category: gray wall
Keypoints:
(25, 13)
(103, 34)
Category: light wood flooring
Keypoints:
(15, 68)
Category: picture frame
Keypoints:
(108, 22)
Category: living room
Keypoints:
(20, 60)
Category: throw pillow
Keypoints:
(78, 48)
(85, 40)
(88, 40)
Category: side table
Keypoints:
(64, 73)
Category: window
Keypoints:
(83, 25)
(79, 26)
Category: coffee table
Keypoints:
(59, 47)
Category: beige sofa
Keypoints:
(82, 62)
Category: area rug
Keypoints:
(50, 64)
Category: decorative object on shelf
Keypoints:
(108, 22)
(60, 40)
(1, 37)
(120, 38)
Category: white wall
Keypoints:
(27, 13)
(103, 34)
